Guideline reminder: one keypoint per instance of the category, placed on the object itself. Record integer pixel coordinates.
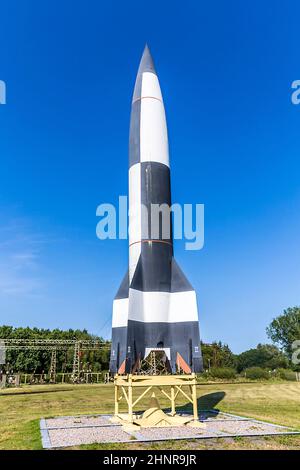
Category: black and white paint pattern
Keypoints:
(155, 306)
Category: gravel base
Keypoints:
(77, 422)
(177, 432)
(74, 437)
(244, 427)
(69, 431)
(217, 416)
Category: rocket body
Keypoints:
(155, 307)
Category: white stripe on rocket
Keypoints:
(164, 307)
(135, 220)
(150, 86)
(153, 126)
(120, 313)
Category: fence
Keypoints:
(14, 380)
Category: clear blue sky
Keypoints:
(225, 69)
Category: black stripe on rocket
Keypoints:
(154, 269)
(177, 337)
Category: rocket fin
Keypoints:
(179, 282)
(121, 369)
(119, 326)
(182, 365)
(122, 292)
(183, 318)
(163, 315)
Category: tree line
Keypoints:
(283, 331)
(38, 361)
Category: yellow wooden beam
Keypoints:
(128, 382)
(141, 396)
(125, 394)
(184, 394)
(165, 393)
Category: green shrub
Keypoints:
(286, 374)
(222, 372)
(203, 375)
(256, 373)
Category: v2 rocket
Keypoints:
(155, 308)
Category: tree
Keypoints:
(266, 356)
(217, 355)
(285, 329)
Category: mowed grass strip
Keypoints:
(22, 408)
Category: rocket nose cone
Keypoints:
(146, 64)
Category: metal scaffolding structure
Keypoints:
(49, 344)
(76, 363)
(55, 345)
(52, 372)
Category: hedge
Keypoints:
(256, 373)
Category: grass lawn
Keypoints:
(21, 409)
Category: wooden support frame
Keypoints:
(169, 385)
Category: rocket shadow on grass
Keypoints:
(205, 403)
